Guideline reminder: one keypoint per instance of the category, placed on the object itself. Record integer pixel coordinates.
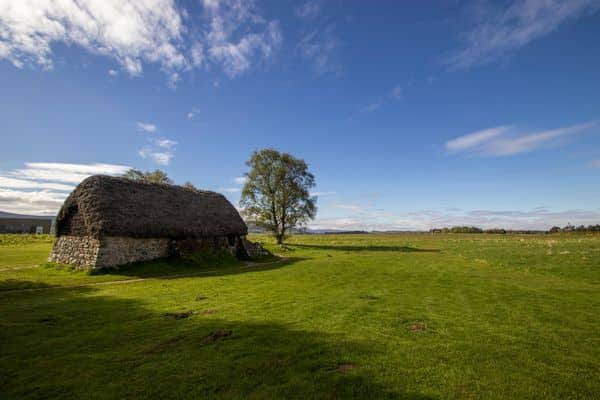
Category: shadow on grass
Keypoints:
(164, 269)
(399, 249)
(77, 343)
(174, 268)
(17, 284)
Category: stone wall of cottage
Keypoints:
(112, 251)
(115, 250)
(79, 251)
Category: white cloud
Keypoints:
(42, 202)
(173, 80)
(397, 92)
(240, 180)
(475, 139)
(160, 151)
(13, 183)
(499, 33)
(41, 187)
(138, 32)
(146, 127)
(237, 35)
(197, 54)
(130, 31)
(497, 142)
(192, 114)
(64, 172)
(308, 10)
(537, 219)
(165, 143)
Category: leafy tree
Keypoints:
(156, 176)
(276, 195)
(190, 186)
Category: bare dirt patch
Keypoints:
(179, 315)
(344, 368)
(368, 297)
(417, 327)
(217, 335)
(207, 312)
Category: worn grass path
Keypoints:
(366, 316)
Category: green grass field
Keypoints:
(365, 316)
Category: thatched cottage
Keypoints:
(108, 221)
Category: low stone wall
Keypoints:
(112, 251)
(115, 251)
(79, 251)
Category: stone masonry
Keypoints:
(112, 251)
(79, 251)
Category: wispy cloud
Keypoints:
(161, 151)
(501, 32)
(318, 46)
(112, 72)
(237, 34)
(395, 93)
(240, 180)
(503, 140)
(146, 127)
(309, 10)
(596, 163)
(371, 107)
(12, 183)
(475, 139)
(64, 172)
(41, 187)
(192, 114)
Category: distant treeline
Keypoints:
(345, 232)
(572, 228)
(554, 229)
(469, 229)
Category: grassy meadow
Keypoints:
(339, 316)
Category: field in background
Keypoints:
(374, 316)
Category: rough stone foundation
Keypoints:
(79, 251)
(112, 251)
(116, 251)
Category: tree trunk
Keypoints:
(279, 238)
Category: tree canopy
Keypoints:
(276, 195)
(156, 176)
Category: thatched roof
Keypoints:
(109, 206)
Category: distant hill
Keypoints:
(4, 215)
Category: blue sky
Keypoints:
(410, 114)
